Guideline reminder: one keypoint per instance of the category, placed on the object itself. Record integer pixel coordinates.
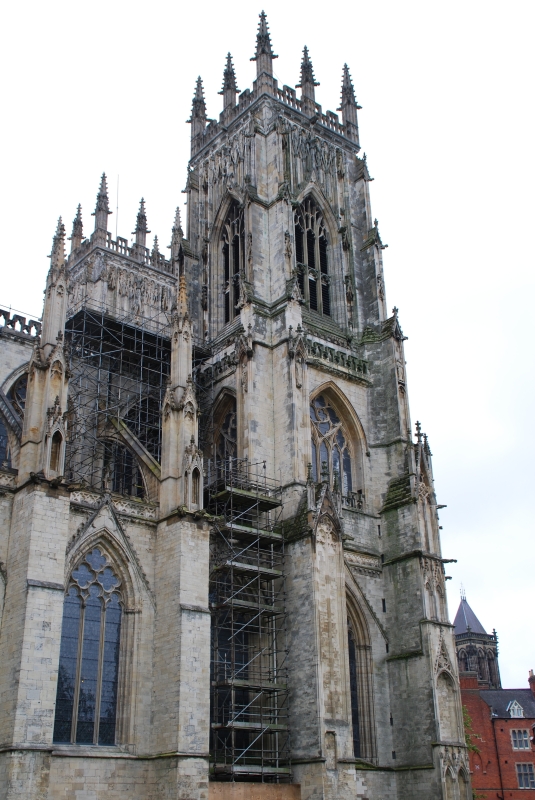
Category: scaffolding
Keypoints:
(119, 369)
(249, 687)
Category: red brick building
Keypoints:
(503, 720)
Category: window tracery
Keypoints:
(227, 434)
(86, 699)
(233, 255)
(17, 394)
(311, 253)
(331, 449)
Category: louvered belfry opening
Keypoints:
(249, 691)
(233, 255)
(311, 254)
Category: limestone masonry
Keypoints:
(220, 563)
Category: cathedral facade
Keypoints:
(220, 562)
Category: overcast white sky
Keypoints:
(447, 125)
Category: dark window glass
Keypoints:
(299, 244)
(353, 683)
(68, 659)
(86, 700)
(89, 669)
(311, 249)
(325, 299)
(110, 672)
(323, 254)
(233, 238)
(313, 294)
(5, 451)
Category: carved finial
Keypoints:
(198, 117)
(77, 234)
(264, 54)
(463, 593)
(395, 311)
(418, 433)
(198, 106)
(349, 106)
(57, 256)
(307, 71)
(155, 251)
(229, 89)
(427, 449)
(102, 208)
(177, 234)
(141, 230)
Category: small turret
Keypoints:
(77, 236)
(307, 84)
(229, 90)
(198, 117)
(349, 107)
(264, 54)
(102, 209)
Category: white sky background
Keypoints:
(447, 125)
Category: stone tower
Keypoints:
(221, 562)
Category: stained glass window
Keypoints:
(331, 452)
(86, 699)
(5, 450)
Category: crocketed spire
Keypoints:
(308, 83)
(349, 106)
(264, 54)
(102, 208)
(57, 256)
(229, 89)
(77, 234)
(198, 111)
(307, 71)
(141, 230)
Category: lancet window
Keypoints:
(331, 448)
(233, 257)
(353, 686)
(311, 253)
(86, 699)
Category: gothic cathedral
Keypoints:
(220, 565)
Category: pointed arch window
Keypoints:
(311, 252)
(331, 447)
(233, 258)
(86, 699)
(353, 687)
(227, 433)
